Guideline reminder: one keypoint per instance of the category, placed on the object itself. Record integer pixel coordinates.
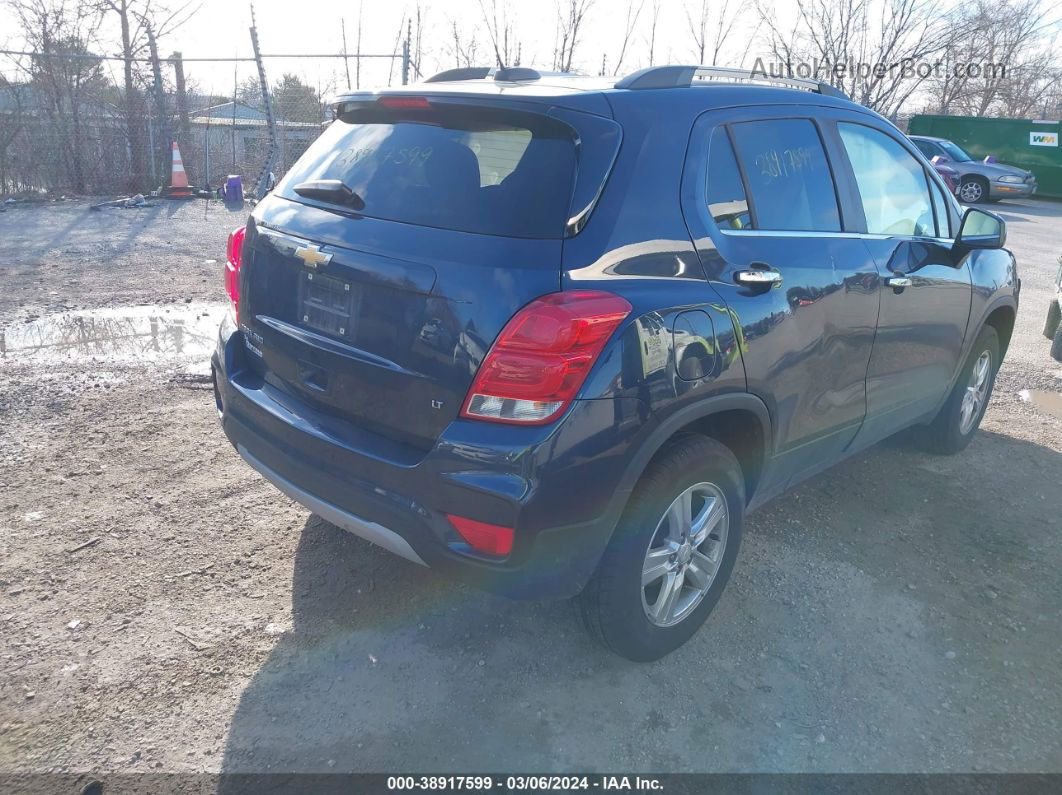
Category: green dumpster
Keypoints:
(1033, 144)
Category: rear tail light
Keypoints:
(492, 539)
(232, 268)
(542, 356)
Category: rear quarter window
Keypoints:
(724, 190)
(487, 171)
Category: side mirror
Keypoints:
(982, 229)
(938, 159)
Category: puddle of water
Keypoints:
(1047, 402)
(184, 334)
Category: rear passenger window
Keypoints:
(725, 192)
(892, 184)
(788, 175)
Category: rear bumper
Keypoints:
(370, 531)
(1004, 190)
(558, 487)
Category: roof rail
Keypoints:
(466, 73)
(684, 77)
(500, 74)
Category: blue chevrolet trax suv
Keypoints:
(557, 335)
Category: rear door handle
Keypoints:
(758, 278)
(898, 282)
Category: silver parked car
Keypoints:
(979, 181)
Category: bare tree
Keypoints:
(710, 35)
(651, 37)
(416, 44)
(698, 30)
(463, 47)
(871, 49)
(1033, 88)
(634, 11)
(11, 126)
(571, 17)
(357, 47)
(249, 91)
(498, 19)
(346, 61)
(62, 74)
(403, 25)
(135, 17)
(1005, 65)
(782, 45)
(132, 47)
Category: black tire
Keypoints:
(973, 185)
(611, 605)
(944, 435)
(1056, 345)
(1054, 315)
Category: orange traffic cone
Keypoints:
(178, 188)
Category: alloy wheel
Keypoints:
(684, 554)
(976, 393)
(971, 191)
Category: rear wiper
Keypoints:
(334, 191)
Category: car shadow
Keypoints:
(384, 654)
(389, 667)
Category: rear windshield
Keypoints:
(489, 171)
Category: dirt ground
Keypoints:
(163, 608)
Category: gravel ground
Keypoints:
(162, 608)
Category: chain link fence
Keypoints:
(67, 125)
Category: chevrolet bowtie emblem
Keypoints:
(312, 256)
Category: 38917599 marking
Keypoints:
(544, 783)
(440, 783)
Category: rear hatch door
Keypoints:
(377, 308)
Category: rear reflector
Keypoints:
(491, 539)
(542, 356)
(232, 268)
(404, 102)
